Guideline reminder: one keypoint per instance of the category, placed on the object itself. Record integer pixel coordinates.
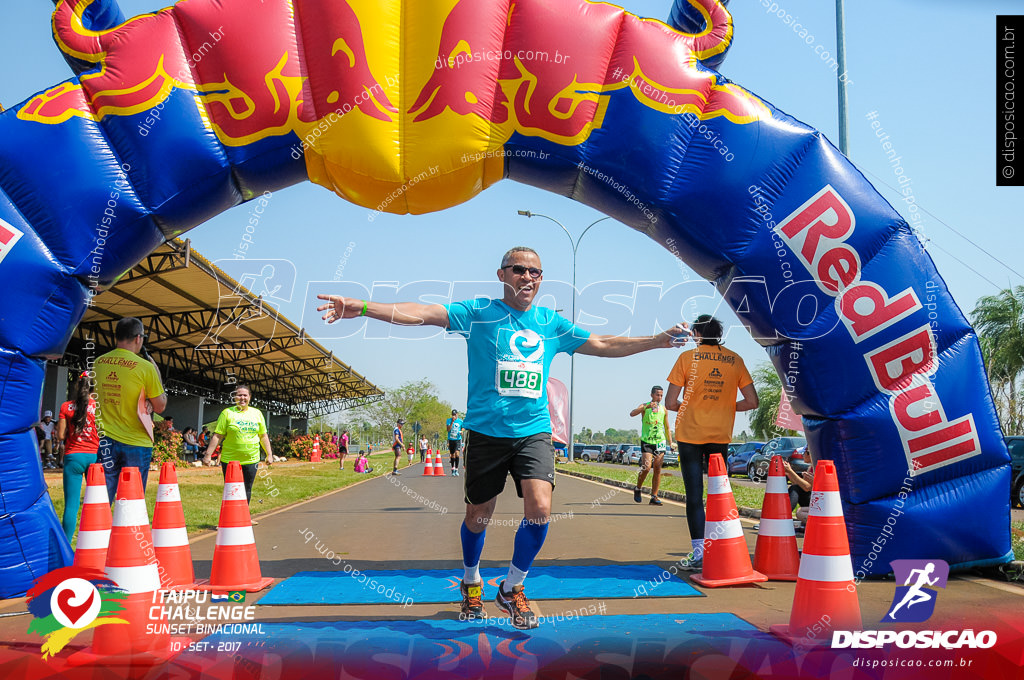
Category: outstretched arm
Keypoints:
(400, 313)
(615, 346)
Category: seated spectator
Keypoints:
(362, 464)
(800, 487)
(44, 432)
(191, 443)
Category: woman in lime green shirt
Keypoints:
(240, 430)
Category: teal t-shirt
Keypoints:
(455, 429)
(510, 354)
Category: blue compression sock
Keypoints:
(529, 540)
(472, 548)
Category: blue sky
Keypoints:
(925, 69)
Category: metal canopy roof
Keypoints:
(207, 333)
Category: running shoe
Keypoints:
(637, 495)
(688, 563)
(472, 600)
(396, 473)
(654, 501)
(518, 608)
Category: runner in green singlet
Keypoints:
(655, 431)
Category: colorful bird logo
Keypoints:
(70, 600)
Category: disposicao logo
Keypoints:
(914, 602)
(70, 600)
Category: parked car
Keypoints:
(620, 453)
(736, 463)
(787, 447)
(631, 456)
(1016, 447)
(608, 452)
(586, 452)
(671, 457)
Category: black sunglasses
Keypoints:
(519, 270)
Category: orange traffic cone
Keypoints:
(825, 590)
(169, 535)
(775, 554)
(438, 466)
(94, 530)
(236, 566)
(428, 467)
(131, 564)
(726, 560)
(315, 457)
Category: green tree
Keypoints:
(999, 322)
(414, 401)
(769, 396)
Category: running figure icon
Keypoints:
(916, 594)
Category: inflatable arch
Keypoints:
(417, 105)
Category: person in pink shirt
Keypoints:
(342, 449)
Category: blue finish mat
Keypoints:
(409, 586)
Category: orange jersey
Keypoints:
(709, 377)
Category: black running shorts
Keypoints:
(489, 460)
(453, 446)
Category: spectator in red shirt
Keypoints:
(76, 432)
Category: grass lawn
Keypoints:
(1017, 536)
(284, 484)
(670, 481)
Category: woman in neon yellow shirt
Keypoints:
(240, 430)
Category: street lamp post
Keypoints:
(572, 359)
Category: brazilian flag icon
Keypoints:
(237, 596)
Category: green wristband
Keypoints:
(363, 313)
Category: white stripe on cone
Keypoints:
(168, 493)
(730, 528)
(234, 491)
(93, 540)
(776, 527)
(828, 568)
(826, 504)
(130, 513)
(170, 538)
(96, 495)
(777, 485)
(144, 579)
(719, 484)
(235, 536)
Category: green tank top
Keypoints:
(653, 425)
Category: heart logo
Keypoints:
(528, 339)
(74, 612)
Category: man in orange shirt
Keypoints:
(702, 389)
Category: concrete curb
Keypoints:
(671, 495)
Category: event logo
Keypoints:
(529, 341)
(70, 600)
(914, 601)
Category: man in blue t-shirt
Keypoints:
(510, 346)
(454, 425)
